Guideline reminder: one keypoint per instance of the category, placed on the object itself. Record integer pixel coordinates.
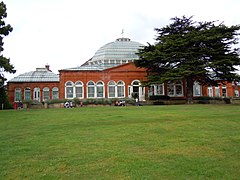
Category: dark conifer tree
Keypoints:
(192, 51)
(5, 65)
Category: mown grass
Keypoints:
(155, 142)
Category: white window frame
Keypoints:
(217, 91)
(79, 85)
(197, 89)
(112, 84)
(27, 94)
(174, 87)
(18, 94)
(69, 90)
(120, 89)
(92, 86)
(46, 94)
(37, 94)
(210, 91)
(100, 90)
(55, 93)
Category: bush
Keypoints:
(54, 101)
(207, 98)
(159, 97)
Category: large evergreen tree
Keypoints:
(192, 51)
(5, 65)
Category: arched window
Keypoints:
(69, 89)
(100, 89)
(111, 89)
(46, 94)
(79, 89)
(18, 94)
(135, 83)
(179, 88)
(36, 94)
(175, 88)
(120, 89)
(90, 89)
(27, 93)
(55, 93)
(197, 89)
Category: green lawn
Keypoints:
(148, 142)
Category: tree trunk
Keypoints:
(189, 90)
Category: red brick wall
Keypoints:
(126, 72)
(12, 86)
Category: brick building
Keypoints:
(110, 73)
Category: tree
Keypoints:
(5, 65)
(191, 51)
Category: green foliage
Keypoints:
(3, 99)
(31, 102)
(5, 65)
(135, 95)
(195, 51)
(54, 101)
(148, 142)
(159, 97)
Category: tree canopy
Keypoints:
(5, 65)
(194, 51)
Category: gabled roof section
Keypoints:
(40, 75)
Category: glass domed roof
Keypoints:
(121, 51)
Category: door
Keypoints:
(36, 94)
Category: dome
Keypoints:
(121, 51)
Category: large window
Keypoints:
(217, 91)
(116, 90)
(175, 88)
(111, 89)
(157, 89)
(27, 94)
(90, 89)
(100, 89)
(79, 89)
(120, 89)
(197, 91)
(55, 93)
(46, 94)
(18, 94)
(69, 90)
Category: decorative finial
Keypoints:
(122, 32)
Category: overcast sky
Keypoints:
(66, 33)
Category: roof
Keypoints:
(112, 54)
(40, 75)
(94, 67)
(121, 49)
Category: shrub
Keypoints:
(159, 97)
(54, 101)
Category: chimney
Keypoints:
(47, 67)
